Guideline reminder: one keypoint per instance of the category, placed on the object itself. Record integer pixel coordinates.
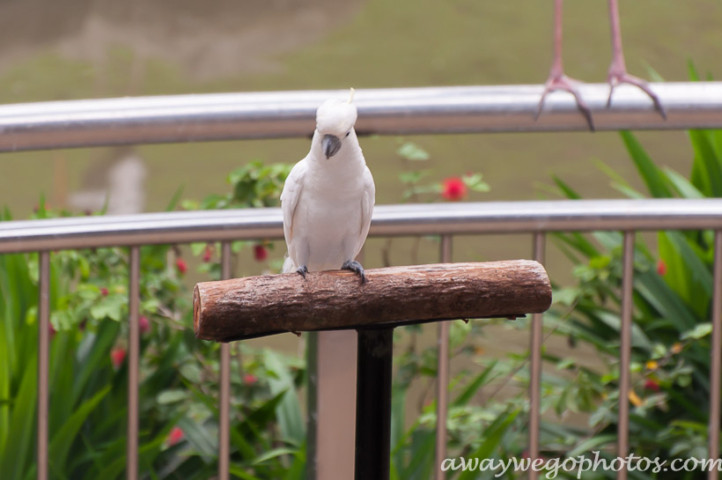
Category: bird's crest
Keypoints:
(336, 117)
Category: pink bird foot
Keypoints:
(559, 81)
(618, 69)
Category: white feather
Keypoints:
(328, 203)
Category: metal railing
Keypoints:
(232, 116)
(446, 220)
(387, 111)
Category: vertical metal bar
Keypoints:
(43, 363)
(224, 426)
(373, 404)
(535, 367)
(133, 363)
(716, 362)
(442, 385)
(625, 356)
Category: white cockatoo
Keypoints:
(329, 197)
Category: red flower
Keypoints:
(260, 253)
(180, 264)
(143, 325)
(104, 291)
(117, 356)
(651, 385)
(175, 436)
(661, 267)
(250, 379)
(52, 330)
(454, 189)
(208, 254)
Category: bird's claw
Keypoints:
(562, 82)
(354, 266)
(302, 271)
(616, 78)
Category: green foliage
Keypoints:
(179, 375)
(672, 304)
(411, 176)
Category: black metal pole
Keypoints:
(373, 404)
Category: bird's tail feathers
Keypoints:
(288, 265)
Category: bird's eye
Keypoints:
(348, 133)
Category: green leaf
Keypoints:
(289, 414)
(111, 307)
(174, 199)
(240, 473)
(651, 174)
(479, 381)
(413, 152)
(492, 438)
(683, 186)
(568, 191)
(64, 438)
(276, 452)
(15, 457)
(700, 331)
(171, 396)
(587, 445)
(706, 163)
(692, 71)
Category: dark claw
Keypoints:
(566, 84)
(302, 271)
(617, 79)
(356, 268)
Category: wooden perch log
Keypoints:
(256, 306)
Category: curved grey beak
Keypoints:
(331, 145)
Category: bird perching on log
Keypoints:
(617, 70)
(329, 196)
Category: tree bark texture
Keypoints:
(251, 307)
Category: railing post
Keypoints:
(224, 422)
(625, 348)
(133, 363)
(442, 377)
(43, 362)
(716, 361)
(535, 368)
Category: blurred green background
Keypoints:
(92, 49)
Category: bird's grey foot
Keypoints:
(356, 268)
(302, 271)
(559, 81)
(618, 75)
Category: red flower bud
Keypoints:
(104, 291)
(180, 264)
(454, 189)
(260, 253)
(250, 379)
(117, 356)
(651, 385)
(207, 254)
(661, 267)
(143, 325)
(175, 436)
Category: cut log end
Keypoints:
(257, 306)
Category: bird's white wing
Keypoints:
(367, 207)
(289, 199)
